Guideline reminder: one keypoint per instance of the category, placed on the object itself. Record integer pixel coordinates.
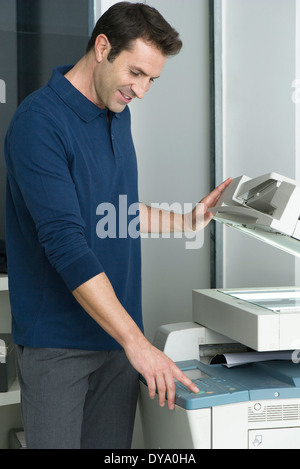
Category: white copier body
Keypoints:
(253, 405)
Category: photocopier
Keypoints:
(243, 347)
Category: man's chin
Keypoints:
(117, 108)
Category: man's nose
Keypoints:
(141, 88)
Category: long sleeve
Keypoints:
(40, 162)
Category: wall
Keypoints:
(171, 132)
(259, 40)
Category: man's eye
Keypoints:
(136, 74)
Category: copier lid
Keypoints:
(264, 319)
(266, 207)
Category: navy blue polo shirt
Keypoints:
(71, 213)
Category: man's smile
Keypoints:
(126, 97)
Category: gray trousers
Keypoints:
(76, 399)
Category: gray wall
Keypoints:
(171, 132)
(259, 39)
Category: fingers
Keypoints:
(163, 390)
(186, 381)
(223, 185)
(159, 371)
(211, 199)
(164, 384)
(151, 387)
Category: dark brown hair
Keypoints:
(125, 22)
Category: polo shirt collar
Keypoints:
(82, 106)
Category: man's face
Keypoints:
(130, 75)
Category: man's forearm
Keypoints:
(99, 300)
(156, 220)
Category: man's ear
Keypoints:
(102, 47)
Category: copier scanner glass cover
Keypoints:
(264, 319)
(266, 207)
(278, 301)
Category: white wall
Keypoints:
(260, 131)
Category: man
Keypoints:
(75, 292)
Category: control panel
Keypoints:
(212, 391)
(219, 385)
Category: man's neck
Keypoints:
(81, 77)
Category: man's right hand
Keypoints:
(98, 298)
(159, 371)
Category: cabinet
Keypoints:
(10, 412)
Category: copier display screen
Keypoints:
(195, 373)
(278, 301)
